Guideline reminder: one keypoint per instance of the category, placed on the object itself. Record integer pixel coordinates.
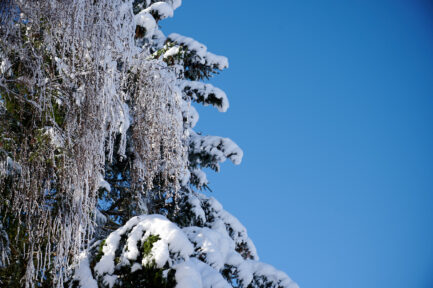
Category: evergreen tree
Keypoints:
(101, 170)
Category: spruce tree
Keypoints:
(101, 170)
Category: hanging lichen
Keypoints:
(157, 133)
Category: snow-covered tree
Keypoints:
(101, 170)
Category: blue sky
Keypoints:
(332, 103)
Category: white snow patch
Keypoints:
(171, 52)
(200, 176)
(196, 274)
(218, 147)
(206, 94)
(163, 9)
(218, 247)
(220, 62)
(104, 184)
(83, 274)
(146, 20)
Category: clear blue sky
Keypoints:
(332, 103)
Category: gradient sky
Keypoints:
(332, 103)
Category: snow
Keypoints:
(196, 207)
(218, 247)
(104, 184)
(215, 244)
(172, 239)
(138, 229)
(176, 3)
(110, 280)
(251, 268)
(196, 274)
(206, 94)
(83, 274)
(146, 20)
(160, 253)
(187, 276)
(162, 9)
(218, 148)
(167, 230)
(106, 264)
(171, 52)
(208, 58)
(136, 267)
(200, 176)
(223, 219)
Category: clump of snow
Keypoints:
(218, 148)
(161, 9)
(200, 177)
(208, 58)
(206, 94)
(196, 274)
(196, 207)
(224, 222)
(104, 184)
(263, 273)
(145, 19)
(171, 52)
(83, 274)
(175, 3)
(217, 247)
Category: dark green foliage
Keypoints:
(148, 276)
(100, 253)
(148, 244)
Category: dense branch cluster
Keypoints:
(100, 166)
